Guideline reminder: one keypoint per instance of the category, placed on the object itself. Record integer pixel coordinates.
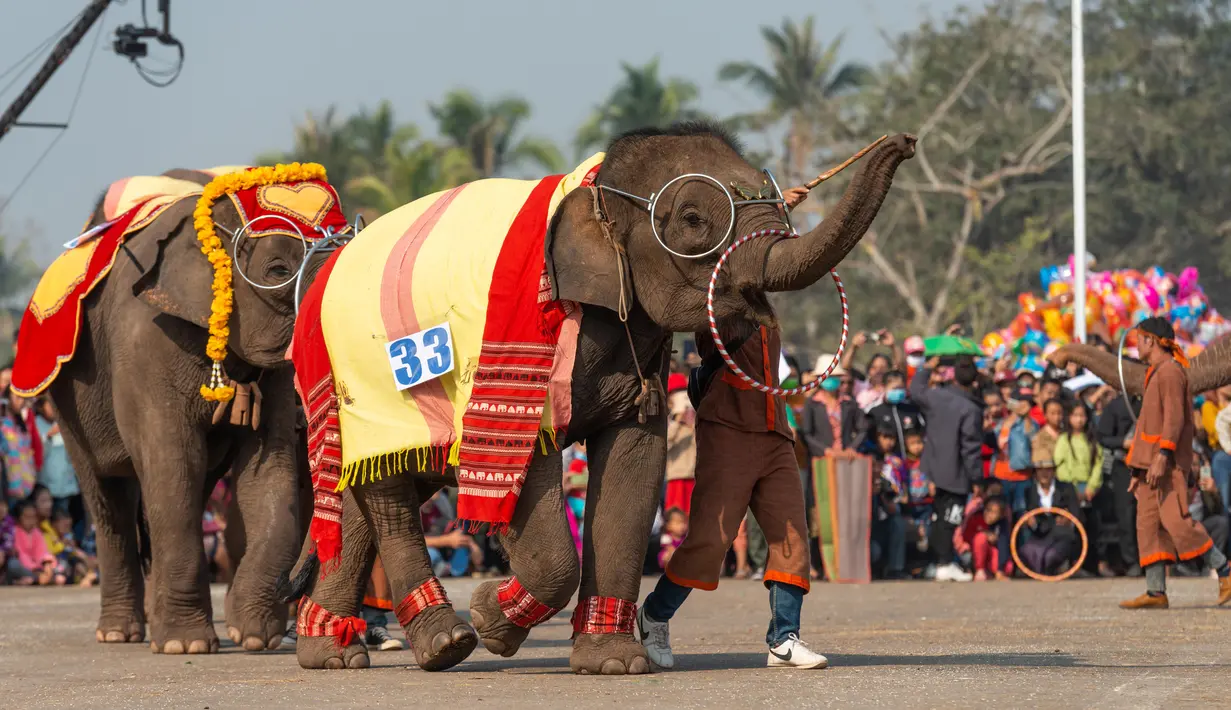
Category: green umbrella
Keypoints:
(950, 345)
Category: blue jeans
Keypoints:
(458, 562)
(889, 543)
(785, 605)
(1015, 494)
(1220, 466)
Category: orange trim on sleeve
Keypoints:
(1150, 438)
(1157, 557)
(1186, 556)
(1166, 444)
(690, 583)
(793, 580)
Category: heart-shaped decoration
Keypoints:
(308, 202)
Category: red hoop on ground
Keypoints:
(722, 348)
(1081, 530)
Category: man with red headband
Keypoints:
(745, 458)
(1161, 458)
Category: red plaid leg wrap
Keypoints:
(315, 620)
(430, 593)
(604, 615)
(520, 606)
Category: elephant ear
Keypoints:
(581, 260)
(176, 278)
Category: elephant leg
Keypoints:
(627, 465)
(328, 613)
(440, 638)
(114, 508)
(542, 557)
(265, 492)
(181, 613)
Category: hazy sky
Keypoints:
(253, 67)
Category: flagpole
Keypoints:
(1079, 176)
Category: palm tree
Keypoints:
(320, 139)
(411, 168)
(487, 132)
(641, 100)
(368, 135)
(804, 76)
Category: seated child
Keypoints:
(31, 563)
(675, 529)
(921, 489)
(449, 552)
(988, 530)
(78, 566)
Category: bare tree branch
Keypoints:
(954, 94)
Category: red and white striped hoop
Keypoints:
(722, 348)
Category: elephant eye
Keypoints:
(277, 271)
(692, 219)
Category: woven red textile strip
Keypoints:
(604, 615)
(314, 620)
(520, 606)
(430, 593)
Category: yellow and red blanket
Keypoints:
(472, 258)
(51, 324)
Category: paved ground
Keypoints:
(1018, 644)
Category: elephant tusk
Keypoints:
(849, 161)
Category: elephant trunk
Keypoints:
(1105, 365)
(1212, 368)
(797, 263)
(1208, 371)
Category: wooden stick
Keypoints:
(849, 161)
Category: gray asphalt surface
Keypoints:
(909, 644)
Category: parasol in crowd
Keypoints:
(950, 345)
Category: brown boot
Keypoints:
(1145, 601)
(1224, 590)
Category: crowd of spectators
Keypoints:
(960, 449)
(44, 535)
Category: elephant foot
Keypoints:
(500, 636)
(322, 652)
(608, 654)
(440, 638)
(128, 629)
(257, 632)
(175, 641)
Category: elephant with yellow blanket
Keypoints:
(467, 335)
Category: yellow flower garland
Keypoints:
(211, 245)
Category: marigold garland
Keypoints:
(211, 245)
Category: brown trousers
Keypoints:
(1165, 529)
(736, 471)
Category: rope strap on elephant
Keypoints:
(604, 615)
(520, 606)
(430, 593)
(315, 621)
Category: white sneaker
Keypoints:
(378, 637)
(656, 637)
(952, 573)
(288, 640)
(794, 653)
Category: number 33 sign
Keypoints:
(422, 356)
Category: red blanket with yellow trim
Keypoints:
(51, 324)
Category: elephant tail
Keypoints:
(290, 586)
